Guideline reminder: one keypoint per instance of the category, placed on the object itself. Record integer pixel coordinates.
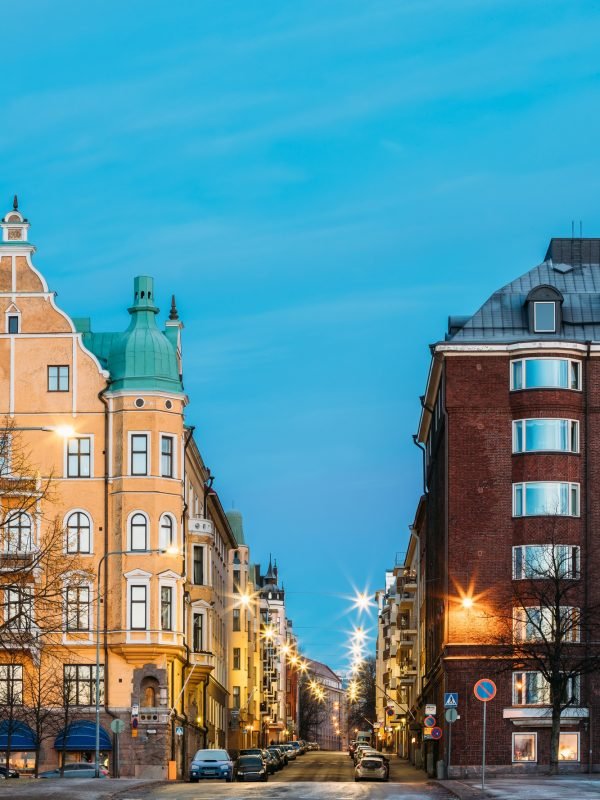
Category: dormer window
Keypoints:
(544, 307)
(544, 317)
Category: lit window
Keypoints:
(545, 498)
(544, 317)
(568, 747)
(138, 532)
(137, 608)
(545, 435)
(78, 533)
(166, 608)
(78, 608)
(139, 454)
(79, 457)
(546, 561)
(545, 373)
(11, 684)
(524, 747)
(166, 456)
(58, 379)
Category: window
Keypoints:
(166, 456)
(524, 747)
(13, 324)
(545, 498)
(79, 457)
(236, 697)
(139, 454)
(540, 435)
(5, 454)
(236, 581)
(198, 633)
(237, 658)
(236, 619)
(138, 526)
(78, 533)
(11, 684)
(544, 317)
(78, 608)
(537, 623)
(80, 684)
(19, 608)
(198, 565)
(546, 560)
(18, 538)
(568, 747)
(166, 531)
(166, 608)
(138, 608)
(58, 379)
(531, 689)
(545, 373)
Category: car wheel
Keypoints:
(356, 778)
(228, 779)
(193, 780)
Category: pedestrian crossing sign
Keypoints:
(451, 700)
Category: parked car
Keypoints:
(360, 748)
(371, 768)
(290, 751)
(80, 770)
(316, 746)
(211, 764)
(279, 755)
(270, 761)
(251, 768)
(352, 748)
(8, 773)
(298, 748)
(252, 751)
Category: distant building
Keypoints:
(331, 734)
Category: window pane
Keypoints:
(165, 607)
(546, 498)
(524, 747)
(544, 317)
(167, 457)
(547, 434)
(517, 375)
(13, 324)
(568, 747)
(139, 454)
(547, 373)
(138, 532)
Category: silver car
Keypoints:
(371, 768)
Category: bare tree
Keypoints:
(547, 630)
(42, 687)
(311, 710)
(363, 708)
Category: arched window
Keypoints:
(544, 305)
(138, 532)
(167, 531)
(18, 533)
(78, 533)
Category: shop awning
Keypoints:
(22, 737)
(81, 735)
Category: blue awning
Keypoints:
(22, 737)
(81, 735)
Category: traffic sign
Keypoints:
(450, 699)
(429, 721)
(179, 731)
(117, 726)
(431, 708)
(427, 733)
(484, 690)
(436, 733)
(451, 715)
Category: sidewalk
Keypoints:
(561, 787)
(72, 789)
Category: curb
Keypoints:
(136, 787)
(460, 790)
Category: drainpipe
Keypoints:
(184, 511)
(586, 545)
(424, 468)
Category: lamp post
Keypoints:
(171, 550)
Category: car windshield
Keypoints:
(249, 761)
(251, 752)
(372, 762)
(211, 755)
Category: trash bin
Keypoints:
(172, 772)
(441, 770)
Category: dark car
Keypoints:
(211, 764)
(251, 768)
(8, 773)
(271, 761)
(280, 753)
(79, 770)
(252, 751)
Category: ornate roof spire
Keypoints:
(15, 203)
(173, 314)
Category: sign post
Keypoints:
(451, 716)
(117, 726)
(484, 690)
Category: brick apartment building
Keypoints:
(510, 433)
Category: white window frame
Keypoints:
(575, 568)
(573, 512)
(537, 303)
(570, 760)
(168, 580)
(535, 747)
(129, 531)
(138, 577)
(66, 475)
(175, 542)
(6, 532)
(173, 439)
(12, 311)
(522, 423)
(130, 435)
(24, 593)
(204, 564)
(201, 607)
(524, 361)
(90, 605)
(14, 674)
(66, 519)
(523, 616)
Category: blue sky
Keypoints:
(320, 184)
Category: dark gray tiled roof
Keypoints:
(503, 318)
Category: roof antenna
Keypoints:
(15, 203)
(572, 229)
(581, 229)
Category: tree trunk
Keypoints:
(555, 738)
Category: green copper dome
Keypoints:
(237, 525)
(142, 357)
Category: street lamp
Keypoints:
(172, 551)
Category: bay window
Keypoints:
(545, 435)
(545, 373)
(546, 561)
(545, 498)
(543, 623)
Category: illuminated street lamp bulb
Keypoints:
(66, 431)
(362, 601)
(245, 599)
(269, 633)
(285, 649)
(359, 634)
(467, 602)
